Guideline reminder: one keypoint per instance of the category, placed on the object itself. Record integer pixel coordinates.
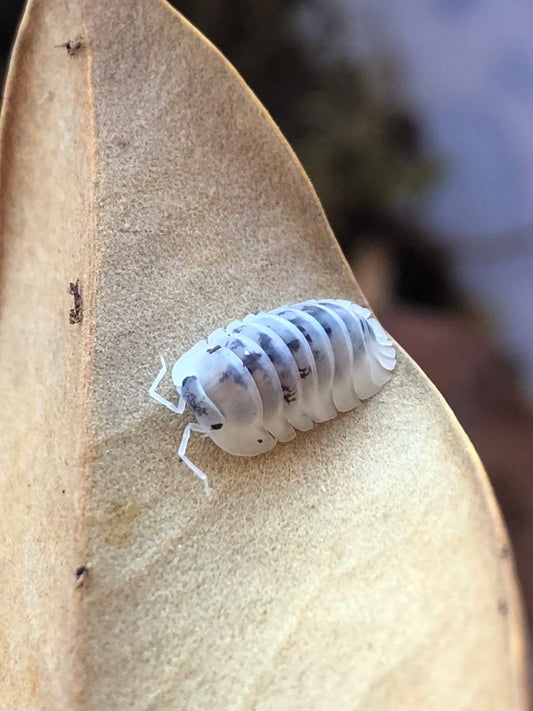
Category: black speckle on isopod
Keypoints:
(289, 394)
(294, 345)
(231, 373)
(265, 341)
(191, 398)
(306, 335)
(251, 361)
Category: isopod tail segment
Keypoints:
(258, 380)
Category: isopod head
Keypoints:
(211, 379)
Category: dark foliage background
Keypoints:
(355, 135)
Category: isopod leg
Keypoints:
(192, 427)
(157, 396)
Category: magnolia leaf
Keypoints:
(146, 199)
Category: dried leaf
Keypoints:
(362, 565)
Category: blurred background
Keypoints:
(414, 121)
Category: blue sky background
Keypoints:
(466, 67)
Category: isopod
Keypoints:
(255, 382)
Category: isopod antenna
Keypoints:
(191, 427)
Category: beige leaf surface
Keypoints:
(363, 565)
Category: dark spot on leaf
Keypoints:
(72, 45)
(503, 608)
(217, 426)
(80, 574)
(75, 314)
(214, 349)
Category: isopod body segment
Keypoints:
(255, 382)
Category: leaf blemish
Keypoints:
(75, 314)
(72, 45)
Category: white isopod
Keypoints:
(258, 380)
